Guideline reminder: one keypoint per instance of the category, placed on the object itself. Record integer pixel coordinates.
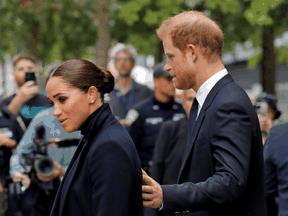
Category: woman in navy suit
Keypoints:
(104, 176)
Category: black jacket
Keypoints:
(169, 151)
(276, 166)
(222, 171)
(104, 176)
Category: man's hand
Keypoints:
(4, 141)
(27, 91)
(58, 172)
(18, 176)
(23, 94)
(154, 193)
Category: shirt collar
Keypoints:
(118, 88)
(206, 87)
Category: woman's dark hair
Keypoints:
(83, 74)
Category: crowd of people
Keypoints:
(82, 147)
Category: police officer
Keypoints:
(268, 113)
(146, 118)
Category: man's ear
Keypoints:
(192, 51)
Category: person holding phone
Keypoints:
(27, 102)
(104, 176)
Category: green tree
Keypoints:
(51, 30)
(265, 20)
(136, 22)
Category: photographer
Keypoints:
(38, 198)
(266, 108)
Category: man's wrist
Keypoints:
(15, 105)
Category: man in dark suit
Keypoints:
(276, 169)
(222, 169)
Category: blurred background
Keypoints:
(255, 45)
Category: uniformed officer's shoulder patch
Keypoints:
(107, 98)
(178, 116)
(131, 117)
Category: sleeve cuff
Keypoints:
(161, 207)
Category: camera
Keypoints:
(37, 160)
(17, 188)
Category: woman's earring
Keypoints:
(92, 101)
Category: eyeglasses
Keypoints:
(123, 59)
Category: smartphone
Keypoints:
(30, 76)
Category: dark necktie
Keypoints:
(192, 118)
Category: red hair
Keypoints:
(193, 27)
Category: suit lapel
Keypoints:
(209, 99)
(55, 209)
(190, 143)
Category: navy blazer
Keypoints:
(276, 166)
(222, 169)
(104, 177)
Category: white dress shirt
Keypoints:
(206, 87)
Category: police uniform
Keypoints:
(146, 118)
(120, 104)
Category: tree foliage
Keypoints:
(68, 28)
(64, 28)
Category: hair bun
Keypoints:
(109, 81)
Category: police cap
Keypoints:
(159, 70)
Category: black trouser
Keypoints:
(22, 205)
(44, 203)
(34, 202)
